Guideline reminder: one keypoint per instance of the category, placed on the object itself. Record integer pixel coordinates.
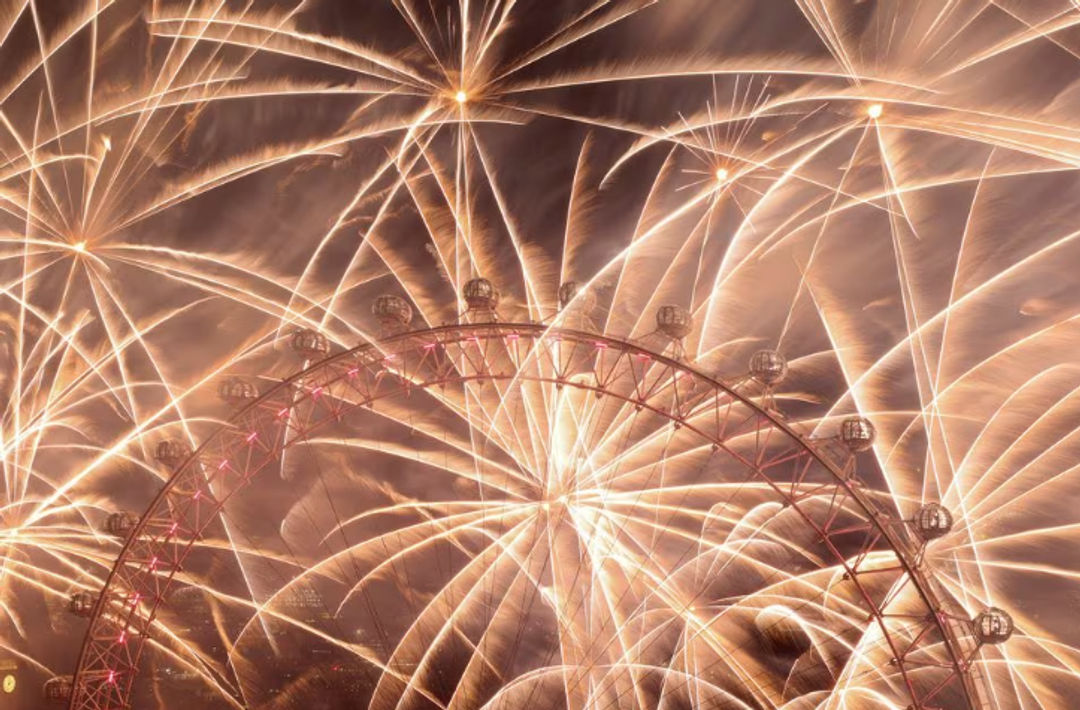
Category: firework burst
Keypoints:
(554, 480)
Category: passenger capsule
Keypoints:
(58, 688)
(310, 344)
(933, 521)
(480, 295)
(236, 391)
(573, 292)
(857, 434)
(82, 604)
(393, 313)
(993, 626)
(170, 453)
(674, 321)
(567, 293)
(768, 367)
(121, 524)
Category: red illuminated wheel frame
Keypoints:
(926, 654)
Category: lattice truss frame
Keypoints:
(926, 656)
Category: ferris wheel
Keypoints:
(540, 515)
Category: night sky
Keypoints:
(535, 501)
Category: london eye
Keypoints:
(600, 525)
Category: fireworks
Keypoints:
(650, 354)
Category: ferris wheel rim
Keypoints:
(910, 563)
